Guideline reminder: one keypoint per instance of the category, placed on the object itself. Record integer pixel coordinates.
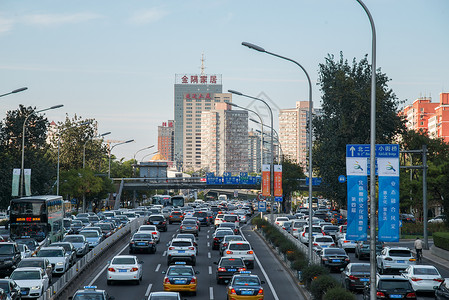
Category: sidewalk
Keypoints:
(437, 256)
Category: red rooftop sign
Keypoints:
(198, 79)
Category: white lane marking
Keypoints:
(157, 268)
(210, 270)
(208, 254)
(165, 253)
(103, 269)
(211, 293)
(208, 244)
(173, 236)
(147, 293)
(207, 236)
(208, 231)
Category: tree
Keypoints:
(291, 175)
(346, 118)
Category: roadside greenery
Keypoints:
(441, 240)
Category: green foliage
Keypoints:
(291, 173)
(338, 293)
(441, 240)
(321, 285)
(345, 120)
(300, 263)
(313, 271)
(417, 228)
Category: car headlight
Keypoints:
(35, 287)
(60, 263)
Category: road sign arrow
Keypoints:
(352, 149)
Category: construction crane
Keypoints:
(109, 142)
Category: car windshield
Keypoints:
(233, 238)
(176, 271)
(239, 246)
(360, 268)
(330, 228)
(282, 219)
(228, 225)
(156, 218)
(232, 262)
(4, 286)
(89, 296)
(222, 233)
(21, 247)
(181, 244)
(77, 223)
(6, 249)
(124, 261)
(50, 253)
(425, 271)
(26, 275)
(143, 236)
(230, 218)
(64, 245)
(73, 239)
(336, 251)
(386, 284)
(89, 233)
(324, 239)
(30, 263)
(400, 253)
(147, 228)
(251, 281)
(189, 222)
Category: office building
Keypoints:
(166, 140)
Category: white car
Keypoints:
(423, 277)
(304, 236)
(395, 258)
(297, 227)
(321, 242)
(343, 243)
(240, 249)
(33, 281)
(124, 267)
(281, 220)
(437, 219)
(57, 258)
(153, 229)
(181, 250)
(218, 220)
(24, 251)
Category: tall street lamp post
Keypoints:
(59, 143)
(134, 171)
(23, 140)
(109, 169)
(261, 137)
(260, 49)
(148, 155)
(14, 91)
(272, 148)
(276, 137)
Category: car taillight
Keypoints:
(412, 259)
(439, 279)
(388, 258)
(166, 280)
(225, 244)
(221, 269)
(193, 280)
(380, 295)
(250, 252)
(171, 248)
(294, 229)
(134, 269)
(229, 252)
(111, 269)
(410, 295)
(324, 258)
(233, 292)
(303, 234)
(216, 239)
(242, 269)
(415, 279)
(347, 259)
(191, 248)
(170, 216)
(345, 242)
(132, 243)
(353, 277)
(332, 245)
(260, 292)
(163, 223)
(315, 244)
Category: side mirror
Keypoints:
(197, 272)
(215, 263)
(168, 245)
(163, 272)
(141, 262)
(262, 282)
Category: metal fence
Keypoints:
(63, 281)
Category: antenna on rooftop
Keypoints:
(202, 64)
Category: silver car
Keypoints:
(181, 250)
(56, 255)
(79, 242)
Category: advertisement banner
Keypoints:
(266, 180)
(15, 182)
(357, 227)
(27, 173)
(278, 180)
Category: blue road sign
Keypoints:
(363, 150)
(278, 199)
(315, 180)
(342, 178)
(262, 207)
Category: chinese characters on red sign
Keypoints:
(195, 79)
(266, 180)
(198, 96)
(278, 180)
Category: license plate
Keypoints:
(335, 260)
(395, 296)
(140, 244)
(232, 270)
(324, 246)
(189, 227)
(181, 251)
(180, 282)
(247, 292)
(24, 292)
(401, 261)
(122, 270)
(364, 279)
(155, 223)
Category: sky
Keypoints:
(115, 61)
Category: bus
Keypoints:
(38, 217)
(178, 201)
(314, 202)
(160, 200)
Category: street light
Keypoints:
(15, 91)
(23, 136)
(261, 122)
(109, 169)
(260, 49)
(134, 171)
(280, 151)
(59, 143)
(149, 147)
(84, 148)
(272, 148)
(149, 155)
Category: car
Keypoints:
(395, 259)
(321, 242)
(180, 278)
(124, 268)
(345, 244)
(391, 287)
(423, 277)
(11, 289)
(10, 257)
(280, 221)
(297, 227)
(32, 281)
(107, 229)
(142, 242)
(84, 220)
(91, 292)
(241, 249)
(190, 236)
(363, 249)
(341, 231)
(159, 221)
(181, 250)
(192, 218)
(70, 250)
(355, 276)
(39, 262)
(202, 217)
(287, 225)
(79, 242)
(304, 236)
(166, 212)
(153, 229)
(175, 216)
(229, 225)
(330, 230)
(56, 255)
(232, 219)
(93, 237)
(93, 219)
(31, 243)
(227, 267)
(76, 226)
(245, 286)
(226, 239)
(334, 258)
(164, 296)
(24, 250)
(218, 236)
(189, 226)
(438, 219)
(442, 292)
(218, 219)
(407, 218)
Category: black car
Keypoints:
(142, 242)
(202, 217)
(218, 237)
(10, 288)
(76, 227)
(9, 257)
(31, 243)
(391, 287)
(355, 276)
(227, 267)
(159, 221)
(331, 230)
(442, 292)
(363, 249)
(334, 258)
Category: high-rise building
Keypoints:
(224, 140)
(166, 140)
(198, 90)
(254, 150)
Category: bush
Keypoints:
(321, 285)
(417, 228)
(299, 264)
(294, 255)
(338, 293)
(286, 245)
(441, 240)
(313, 271)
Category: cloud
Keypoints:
(5, 25)
(149, 16)
(57, 19)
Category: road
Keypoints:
(278, 286)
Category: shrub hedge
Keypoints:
(417, 228)
(338, 293)
(441, 240)
(321, 285)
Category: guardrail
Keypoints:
(57, 287)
